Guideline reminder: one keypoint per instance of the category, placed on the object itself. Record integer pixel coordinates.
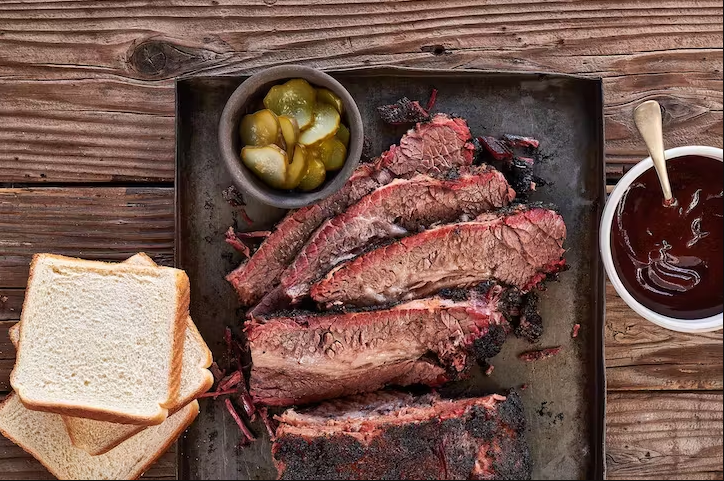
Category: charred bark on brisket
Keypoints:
(405, 438)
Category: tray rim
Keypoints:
(598, 291)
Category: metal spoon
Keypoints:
(647, 117)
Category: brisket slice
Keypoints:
(518, 247)
(395, 210)
(260, 273)
(431, 148)
(390, 435)
(308, 358)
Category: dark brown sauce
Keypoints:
(670, 258)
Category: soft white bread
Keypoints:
(101, 341)
(43, 435)
(99, 437)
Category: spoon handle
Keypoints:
(647, 117)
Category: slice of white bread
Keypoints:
(43, 435)
(101, 341)
(99, 437)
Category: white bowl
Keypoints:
(707, 324)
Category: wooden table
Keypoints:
(87, 147)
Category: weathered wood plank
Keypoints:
(11, 303)
(7, 356)
(663, 434)
(643, 356)
(89, 95)
(86, 130)
(93, 223)
(704, 475)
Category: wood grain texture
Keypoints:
(11, 303)
(703, 475)
(90, 84)
(643, 356)
(86, 95)
(93, 223)
(664, 434)
(7, 356)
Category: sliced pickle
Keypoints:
(343, 135)
(326, 96)
(295, 98)
(314, 176)
(325, 125)
(260, 128)
(297, 169)
(290, 132)
(269, 163)
(332, 153)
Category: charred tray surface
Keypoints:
(564, 395)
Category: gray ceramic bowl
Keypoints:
(247, 98)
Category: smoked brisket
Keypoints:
(519, 248)
(302, 359)
(432, 148)
(397, 209)
(389, 435)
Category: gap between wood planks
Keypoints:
(94, 185)
(102, 223)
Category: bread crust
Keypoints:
(190, 417)
(203, 366)
(183, 297)
(98, 450)
(181, 402)
(95, 450)
(193, 412)
(31, 452)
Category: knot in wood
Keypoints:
(435, 49)
(149, 58)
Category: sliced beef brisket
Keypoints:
(431, 148)
(253, 278)
(307, 358)
(389, 435)
(397, 209)
(519, 248)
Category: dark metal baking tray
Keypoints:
(565, 395)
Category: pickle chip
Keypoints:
(315, 175)
(325, 125)
(269, 163)
(290, 132)
(326, 96)
(260, 128)
(332, 153)
(295, 98)
(297, 169)
(343, 135)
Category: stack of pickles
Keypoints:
(297, 138)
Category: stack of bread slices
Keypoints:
(109, 365)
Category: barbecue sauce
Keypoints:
(670, 258)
